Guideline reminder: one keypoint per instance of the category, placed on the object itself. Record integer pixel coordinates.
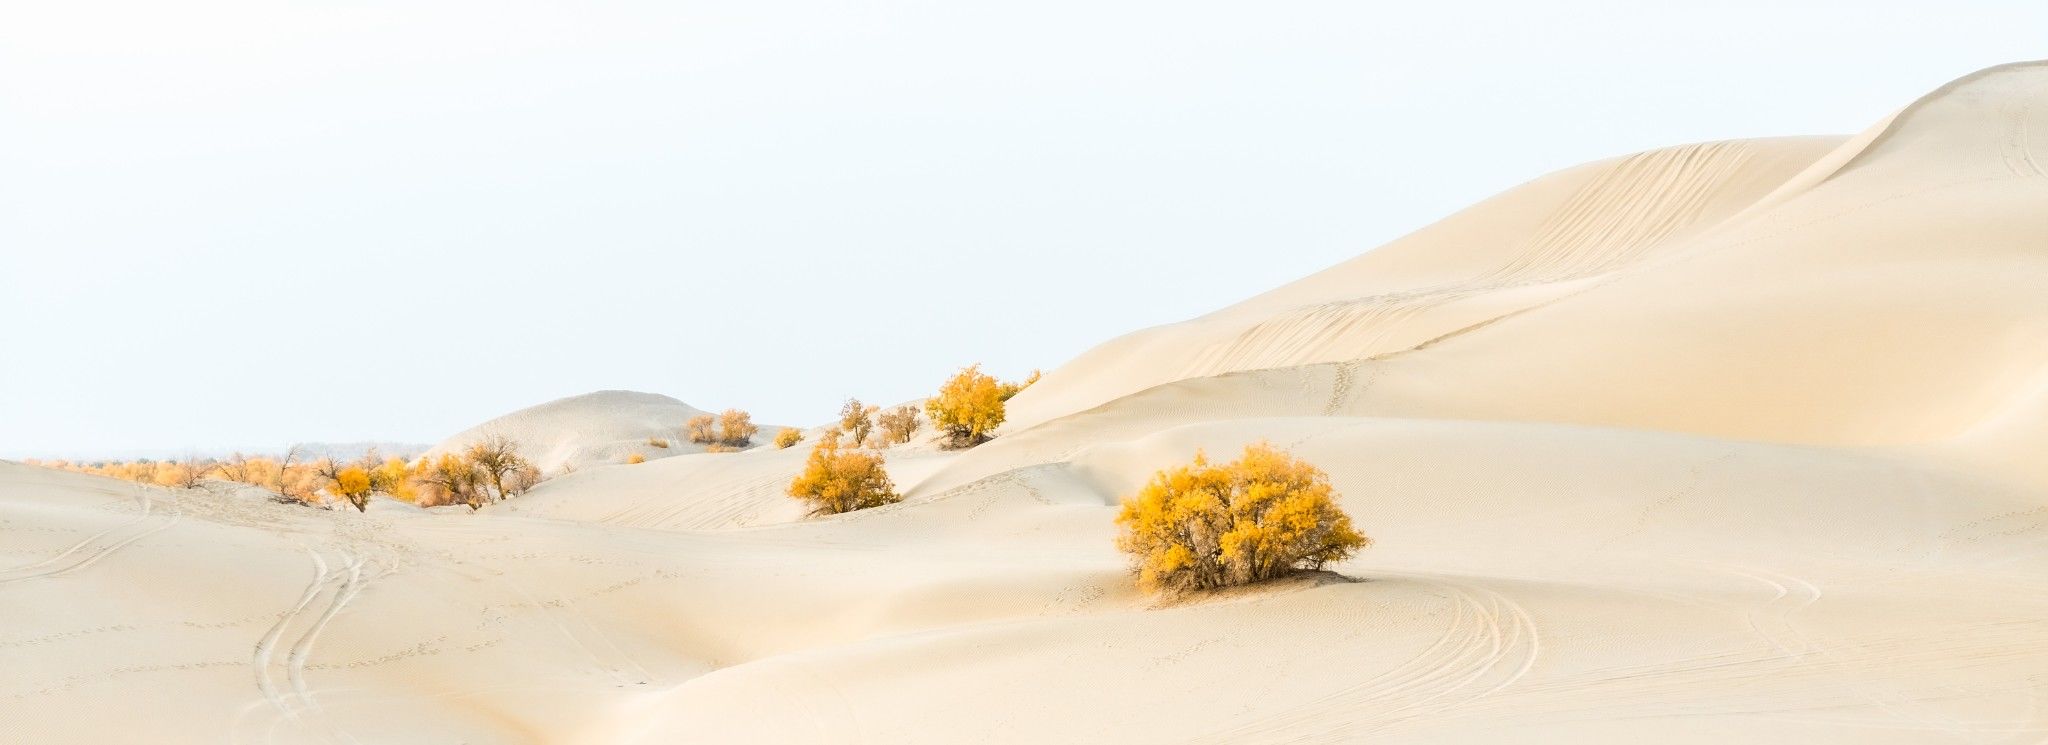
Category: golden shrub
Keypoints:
(857, 419)
(730, 430)
(353, 484)
(736, 428)
(701, 429)
(636, 458)
(837, 479)
(395, 477)
(968, 407)
(485, 472)
(656, 442)
(448, 479)
(899, 424)
(1201, 526)
(788, 436)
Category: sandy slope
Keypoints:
(1731, 442)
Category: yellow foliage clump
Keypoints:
(656, 442)
(395, 477)
(731, 430)
(736, 428)
(968, 407)
(701, 429)
(836, 479)
(1010, 390)
(636, 458)
(899, 424)
(353, 484)
(788, 436)
(857, 419)
(448, 479)
(368, 475)
(485, 472)
(1202, 526)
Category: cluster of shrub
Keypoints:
(731, 430)
(485, 472)
(1193, 527)
(844, 471)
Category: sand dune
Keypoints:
(589, 430)
(1730, 442)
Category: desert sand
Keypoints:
(1727, 442)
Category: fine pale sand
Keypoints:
(1730, 442)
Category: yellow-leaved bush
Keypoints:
(485, 472)
(352, 483)
(837, 478)
(857, 419)
(731, 430)
(788, 436)
(1202, 526)
(969, 406)
(1010, 390)
(898, 424)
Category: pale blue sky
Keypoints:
(241, 224)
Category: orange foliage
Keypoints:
(857, 419)
(1203, 526)
(731, 430)
(899, 424)
(836, 479)
(969, 406)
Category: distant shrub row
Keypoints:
(485, 472)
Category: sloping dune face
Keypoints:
(1732, 442)
(1541, 241)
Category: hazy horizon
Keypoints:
(230, 224)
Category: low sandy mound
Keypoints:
(591, 429)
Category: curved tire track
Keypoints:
(102, 544)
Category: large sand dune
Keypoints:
(1731, 442)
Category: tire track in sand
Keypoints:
(100, 545)
(1489, 644)
(283, 682)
